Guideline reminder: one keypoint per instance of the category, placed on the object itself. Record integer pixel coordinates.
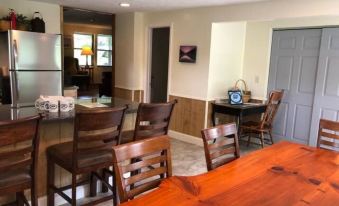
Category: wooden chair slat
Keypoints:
(96, 137)
(157, 151)
(145, 175)
(226, 151)
(221, 143)
(16, 165)
(332, 139)
(329, 135)
(328, 143)
(143, 188)
(15, 153)
(143, 163)
(153, 126)
(218, 142)
(221, 162)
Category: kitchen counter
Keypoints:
(57, 128)
(8, 113)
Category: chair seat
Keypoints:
(254, 126)
(62, 154)
(15, 180)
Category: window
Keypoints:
(104, 50)
(81, 40)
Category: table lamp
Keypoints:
(86, 50)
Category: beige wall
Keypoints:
(193, 26)
(50, 12)
(226, 58)
(71, 28)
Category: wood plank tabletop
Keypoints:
(283, 174)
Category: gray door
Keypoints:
(293, 67)
(159, 67)
(326, 101)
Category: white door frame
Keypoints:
(149, 33)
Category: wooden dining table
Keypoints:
(283, 174)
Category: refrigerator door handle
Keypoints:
(16, 53)
(16, 85)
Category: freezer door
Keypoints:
(35, 51)
(27, 86)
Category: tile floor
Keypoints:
(189, 159)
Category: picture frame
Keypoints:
(235, 97)
(188, 53)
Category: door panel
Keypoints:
(30, 85)
(293, 67)
(36, 51)
(326, 101)
(159, 66)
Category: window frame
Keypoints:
(92, 46)
(97, 50)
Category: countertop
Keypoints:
(8, 113)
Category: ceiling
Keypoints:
(112, 6)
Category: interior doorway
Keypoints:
(159, 63)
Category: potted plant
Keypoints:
(5, 23)
(23, 23)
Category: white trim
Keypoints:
(185, 138)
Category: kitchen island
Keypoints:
(58, 128)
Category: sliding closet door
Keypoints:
(326, 101)
(293, 67)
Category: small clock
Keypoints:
(235, 97)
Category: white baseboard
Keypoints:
(185, 138)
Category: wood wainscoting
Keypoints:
(188, 116)
(132, 95)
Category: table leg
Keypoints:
(240, 117)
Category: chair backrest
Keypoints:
(153, 119)
(221, 145)
(272, 108)
(328, 135)
(152, 157)
(19, 145)
(96, 132)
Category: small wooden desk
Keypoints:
(237, 110)
(282, 174)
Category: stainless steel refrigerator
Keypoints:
(31, 66)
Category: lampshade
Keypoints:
(86, 50)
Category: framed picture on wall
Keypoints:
(188, 54)
(68, 41)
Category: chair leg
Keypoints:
(19, 199)
(34, 197)
(50, 182)
(249, 139)
(93, 185)
(104, 189)
(115, 195)
(74, 190)
(271, 137)
(262, 139)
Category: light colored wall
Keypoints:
(193, 26)
(226, 57)
(50, 12)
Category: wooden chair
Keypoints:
(266, 124)
(19, 149)
(152, 120)
(221, 145)
(95, 133)
(328, 137)
(153, 152)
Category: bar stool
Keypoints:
(95, 132)
(152, 120)
(18, 167)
